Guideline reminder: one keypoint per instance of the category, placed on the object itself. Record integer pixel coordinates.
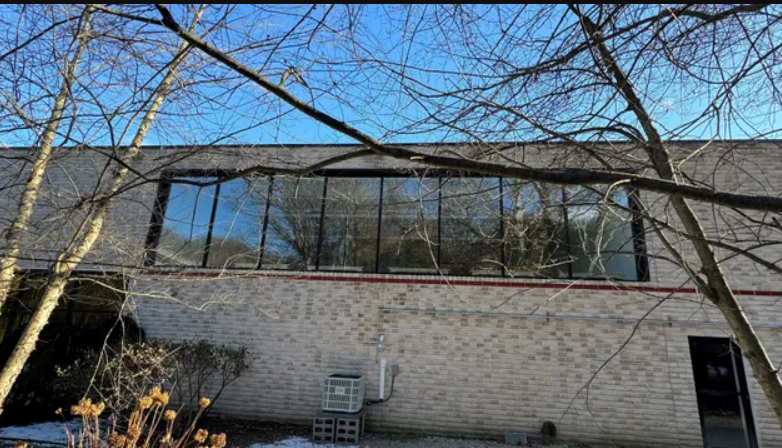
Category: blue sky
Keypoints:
(352, 66)
(367, 97)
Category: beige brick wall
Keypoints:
(463, 372)
(468, 367)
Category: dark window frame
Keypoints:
(156, 222)
(265, 228)
(211, 227)
(742, 392)
(169, 176)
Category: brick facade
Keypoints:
(473, 361)
(477, 356)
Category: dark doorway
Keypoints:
(723, 399)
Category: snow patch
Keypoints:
(42, 432)
(296, 442)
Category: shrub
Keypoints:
(202, 367)
(118, 374)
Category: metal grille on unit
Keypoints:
(343, 393)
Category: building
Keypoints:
(499, 299)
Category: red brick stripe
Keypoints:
(477, 282)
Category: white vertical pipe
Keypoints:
(383, 363)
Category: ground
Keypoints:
(271, 435)
(250, 434)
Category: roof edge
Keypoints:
(413, 144)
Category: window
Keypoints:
(470, 223)
(409, 237)
(535, 240)
(238, 223)
(350, 224)
(600, 237)
(469, 226)
(294, 224)
(186, 225)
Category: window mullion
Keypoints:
(379, 225)
(567, 232)
(208, 244)
(639, 240)
(320, 226)
(156, 223)
(265, 226)
(502, 229)
(439, 221)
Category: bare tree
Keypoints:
(21, 221)
(582, 75)
(89, 229)
(596, 80)
(130, 81)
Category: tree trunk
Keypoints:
(24, 211)
(71, 257)
(716, 289)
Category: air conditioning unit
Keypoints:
(343, 393)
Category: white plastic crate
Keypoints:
(343, 393)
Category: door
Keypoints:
(723, 400)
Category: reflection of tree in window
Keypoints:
(455, 222)
(186, 224)
(350, 224)
(534, 229)
(238, 224)
(600, 235)
(294, 223)
(408, 241)
(470, 226)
